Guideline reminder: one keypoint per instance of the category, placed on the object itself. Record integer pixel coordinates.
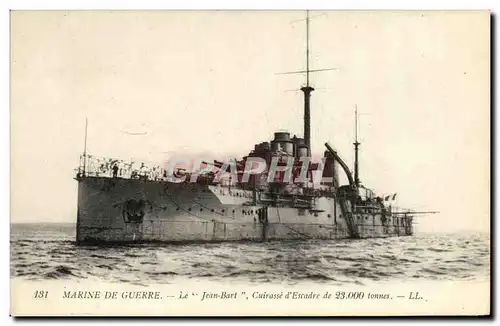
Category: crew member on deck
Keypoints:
(115, 171)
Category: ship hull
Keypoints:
(116, 210)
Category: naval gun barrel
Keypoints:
(219, 164)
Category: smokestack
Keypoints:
(307, 117)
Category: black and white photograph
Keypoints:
(249, 163)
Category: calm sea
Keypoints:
(47, 251)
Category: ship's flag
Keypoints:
(390, 197)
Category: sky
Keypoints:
(209, 83)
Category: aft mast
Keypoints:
(356, 148)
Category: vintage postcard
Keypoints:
(250, 163)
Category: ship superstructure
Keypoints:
(274, 193)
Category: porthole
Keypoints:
(329, 215)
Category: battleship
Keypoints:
(276, 192)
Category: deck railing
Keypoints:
(97, 166)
